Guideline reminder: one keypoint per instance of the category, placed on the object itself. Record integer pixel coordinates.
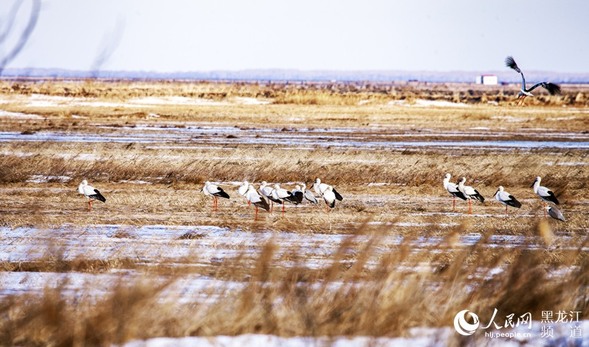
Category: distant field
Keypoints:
(156, 260)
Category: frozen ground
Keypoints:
(206, 246)
(198, 136)
(194, 247)
(538, 336)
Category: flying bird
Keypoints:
(453, 190)
(523, 93)
(470, 193)
(90, 193)
(215, 191)
(506, 199)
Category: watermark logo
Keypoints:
(466, 323)
(462, 326)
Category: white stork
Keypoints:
(453, 190)
(90, 193)
(281, 195)
(254, 198)
(506, 199)
(320, 189)
(242, 190)
(266, 191)
(309, 196)
(523, 93)
(327, 192)
(544, 193)
(215, 191)
(555, 213)
(470, 193)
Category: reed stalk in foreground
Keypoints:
(358, 290)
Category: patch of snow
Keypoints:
(301, 341)
(174, 100)
(250, 101)
(45, 179)
(134, 181)
(563, 334)
(426, 103)
(19, 115)
(510, 119)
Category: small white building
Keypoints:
(488, 80)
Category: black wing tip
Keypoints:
(263, 204)
(552, 88)
(514, 203)
(460, 195)
(552, 198)
(337, 195)
(222, 194)
(510, 62)
(274, 200)
(97, 196)
(478, 196)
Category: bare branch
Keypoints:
(24, 37)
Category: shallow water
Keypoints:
(338, 138)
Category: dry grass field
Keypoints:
(157, 260)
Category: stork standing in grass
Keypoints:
(470, 193)
(453, 190)
(254, 198)
(297, 195)
(524, 92)
(555, 213)
(544, 193)
(327, 192)
(281, 195)
(506, 199)
(266, 191)
(215, 191)
(308, 195)
(90, 193)
(242, 190)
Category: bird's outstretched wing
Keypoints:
(552, 88)
(510, 62)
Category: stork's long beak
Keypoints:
(532, 186)
(496, 193)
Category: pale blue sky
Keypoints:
(184, 35)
